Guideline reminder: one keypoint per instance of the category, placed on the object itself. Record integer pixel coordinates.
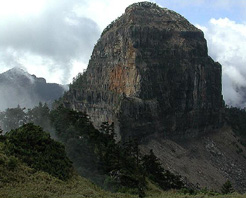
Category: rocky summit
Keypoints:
(150, 73)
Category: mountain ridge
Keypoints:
(18, 87)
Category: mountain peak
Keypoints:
(143, 4)
(16, 71)
(147, 14)
(17, 86)
(150, 71)
(150, 74)
(17, 74)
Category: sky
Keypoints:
(55, 38)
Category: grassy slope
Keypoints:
(154, 192)
(24, 182)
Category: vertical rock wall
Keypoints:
(150, 73)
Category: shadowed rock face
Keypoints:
(150, 73)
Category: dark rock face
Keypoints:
(150, 73)
(18, 87)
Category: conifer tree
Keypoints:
(227, 188)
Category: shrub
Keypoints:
(12, 163)
(164, 178)
(227, 188)
(34, 147)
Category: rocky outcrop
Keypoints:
(150, 73)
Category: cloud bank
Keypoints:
(227, 45)
(56, 38)
(56, 43)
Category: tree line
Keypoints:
(117, 166)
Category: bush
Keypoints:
(12, 163)
(227, 188)
(164, 178)
(34, 147)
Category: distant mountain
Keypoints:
(17, 87)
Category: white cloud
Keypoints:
(55, 41)
(48, 43)
(203, 4)
(20, 8)
(103, 12)
(227, 45)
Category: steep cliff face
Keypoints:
(150, 73)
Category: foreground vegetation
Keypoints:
(34, 165)
(24, 172)
(115, 166)
(21, 181)
(236, 118)
(30, 184)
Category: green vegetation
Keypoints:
(34, 165)
(77, 81)
(23, 181)
(236, 118)
(115, 166)
(164, 178)
(227, 188)
(94, 153)
(13, 118)
(118, 167)
(39, 115)
(33, 146)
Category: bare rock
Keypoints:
(150, 72)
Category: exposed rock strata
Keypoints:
(150, 72)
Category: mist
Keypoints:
(227, 44)
(19, 88)
(11, 98)
(54, 44)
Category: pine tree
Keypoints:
(2, 137)
(156, 173)
(152, 164)
(227, 188)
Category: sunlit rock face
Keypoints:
(150, 73)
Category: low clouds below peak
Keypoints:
(57, 41)
(227, 45)
(52, 40)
